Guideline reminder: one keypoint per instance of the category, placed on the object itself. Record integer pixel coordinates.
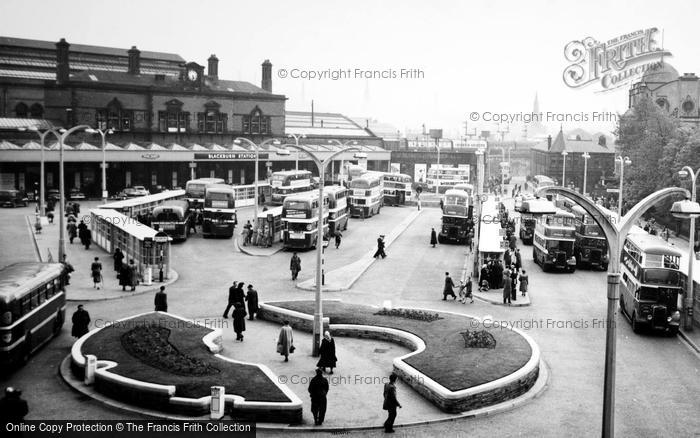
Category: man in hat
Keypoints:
(318, 389)
(13, 408)
(161, 300)
(252, 298)
(380, 247)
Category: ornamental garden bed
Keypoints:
(446, 359)
(160, 349)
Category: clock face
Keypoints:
(192, 75)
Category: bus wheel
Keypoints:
(635, 325)
(572, 269)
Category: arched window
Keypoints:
(37, 111)
(114, 117)
(21, 110)
(212, 120)
(256, 122)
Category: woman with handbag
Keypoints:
(285, 341)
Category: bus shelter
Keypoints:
(269, 227)
(148, 248)
(245, 194)
(143, 205)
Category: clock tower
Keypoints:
(194, 75)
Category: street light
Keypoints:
(563, 171)
(256, 148)
(622, 161)
(61, 186)
(296, 140)
(437, 171)
(42, 136)
(615, 233)
(585, 156)
(318, 312)
(104, 164)
(479, 192)
(688, 210)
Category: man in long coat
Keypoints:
(161, 300)
(231, 298)
(295, 265)
(239, 320)
(81, 321)
(318, 390)
(390, 403)
(252, 299)
(285, 341)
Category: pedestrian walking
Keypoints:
(391, 402)
(506, 287)
(72, 231)
(513, 282)
(50, 217)
(96, 270)
(81, 232)
(449, 287)
(295, 265)
(88, 238)
(338, 238)
(161, 300)
(133, 275)
(239, 315)
(524, 282)
(327, 352)
(470, 240)
(380, 247)
(13, 408)
(231, 298)
(81, 322)
(318, 390)
(465, 290)
(118, 260)
(125, 276)
(433, 237)
(192, 223)
(68, 267)
(252, 299)
(518, 259)
(285, 341)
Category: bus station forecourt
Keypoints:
(412, 276)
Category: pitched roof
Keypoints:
(4, 145)
(572, 145)
(322, 124)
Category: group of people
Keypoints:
(81, 231)
(236, 299)
(465, 289)
(128, 274)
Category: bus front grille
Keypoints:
(658, 315)
(561, 259)
(596, 256)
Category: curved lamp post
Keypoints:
(622, 161)
(42, 136)
(256, 148)
(103, 134)
(296, 138)
(318, 311)
(688, 210)
(615, 234)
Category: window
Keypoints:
(114, 117)
(212, 122)
(173, 119)
(37, 111)
(256, 123)
(21, 110)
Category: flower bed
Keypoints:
(420, 315)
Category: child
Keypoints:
(465, 291)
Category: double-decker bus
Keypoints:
(338, 209)
(446, 177)
(366, 194)
(591, 246)
(531, 211)
(195, 189)
(172, 218)
(300, 220)
(219, 215)
(397, 188)
(288, 182)
(650, 283)
(32, 308)
(456, 213)
(554, 238)
(469, 188)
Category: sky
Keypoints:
(483, 57)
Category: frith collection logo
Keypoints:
(613, 63)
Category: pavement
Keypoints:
(81, 287)
(343, 278)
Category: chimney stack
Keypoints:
(134, 61)
(549, 142)
(213, 68)
(267, 76)
(62, 62)
(602, 141)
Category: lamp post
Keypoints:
(437, 171)
(318, 311)
(688, 210)
(615, 234)
(585, 156)
(563, 170)
(622, 161)
(480, 153)
(296, 141)
(256, 148)
(61, 187)
(42, 136)
(103, 134)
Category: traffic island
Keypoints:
(163, 362)
(457, 362)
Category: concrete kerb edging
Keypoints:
(245, 250)
(365, 262)
(173, 276)
(32, 233)
(691, 343)
(418, 380)
(213, 342)
(499, 302)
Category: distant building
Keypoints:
(678, 96)
(547, 159)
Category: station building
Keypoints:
(170, 119)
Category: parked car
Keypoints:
(76, 194)
(13, 198)
(133, 192)
(158, 189)
(53, 195)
